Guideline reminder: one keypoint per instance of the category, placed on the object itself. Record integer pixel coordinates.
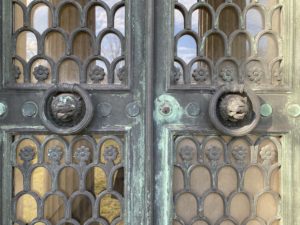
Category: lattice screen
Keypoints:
(69, 41)
(68, 180)
(227, 181)
(228, 41)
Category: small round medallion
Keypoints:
(133, 109)
(293, 110)
(266, 110)
(193, 109)
(104, 109)
(29, 109)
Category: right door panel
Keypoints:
(235, 170)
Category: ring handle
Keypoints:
(234, 110)
(66, 109)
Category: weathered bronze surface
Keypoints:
(149, 98)
(234, 107)
(66, 107)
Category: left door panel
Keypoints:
(72, 115)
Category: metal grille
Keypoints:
(219, 42)
(68, 41)
(227, 181)
(68, 180)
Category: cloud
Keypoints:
(110, 3)
(101, 20)
(186, 53)
(41, 18)
(178, 21)
(120, 20)
(188, 3)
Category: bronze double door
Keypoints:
(179, 112)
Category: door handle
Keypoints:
(66, 109)
(234, 110)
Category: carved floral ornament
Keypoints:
(97, 74)
(234, 110)
(187, 153)
(121, 73)
(16, 72)
(267, 154)
(55, 154)
(41, 73)
(110, 153)
(214, 154)
(27, 154)
(176, 74)
(227, 73)
(239, 153)
(82, 154)
(200, 74)
(255, 74)
(278, 75)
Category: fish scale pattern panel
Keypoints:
(69, 41)
(68, 180)
(218, 42)
(227, 181)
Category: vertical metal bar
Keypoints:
(163, 55)
(149, 35)
(139, 187)
(6, 203)
(6, 21)
(1, 48)
(1, 139)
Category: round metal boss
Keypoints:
(66, 109)
(234, 110)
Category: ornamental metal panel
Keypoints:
(144, 112)
(72, 95)
(225, 86)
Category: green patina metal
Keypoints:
(3, 109)
(149, 161)
(167, 109)
(293, 110)
(266, 110)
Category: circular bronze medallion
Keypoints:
(66, 109)
(234, 110)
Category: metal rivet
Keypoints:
(29, 109)
(133, 109)
(165, 108)
(294, 110)
(104, 109)
(266, 110)
(3, 109)
(193, 109)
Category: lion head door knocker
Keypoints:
(66, 109)
(234, 110)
